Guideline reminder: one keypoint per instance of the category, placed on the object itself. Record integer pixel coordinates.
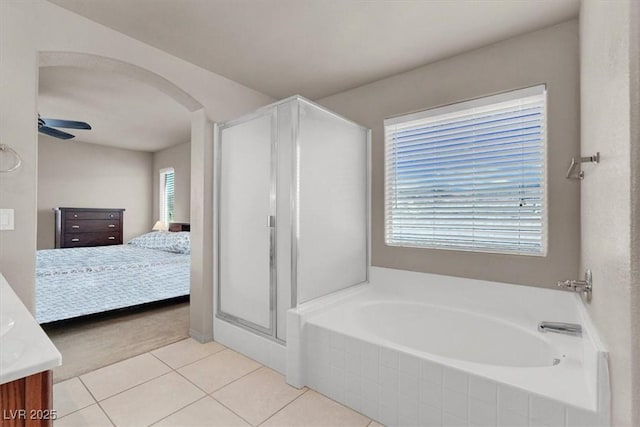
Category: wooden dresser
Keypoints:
(77, 227)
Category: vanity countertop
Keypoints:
(24, 347)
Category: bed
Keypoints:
(75, 282)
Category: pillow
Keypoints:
(179, 242)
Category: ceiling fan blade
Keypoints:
(55, 133)
(68, 124)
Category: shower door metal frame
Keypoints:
(271, 331)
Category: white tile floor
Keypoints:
(192, 384)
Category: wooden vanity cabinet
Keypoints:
(28, 402)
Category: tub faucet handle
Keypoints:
(585, 286)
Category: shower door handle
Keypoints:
(271, 224)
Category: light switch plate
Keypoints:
(6, 219)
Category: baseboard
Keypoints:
(200, 337)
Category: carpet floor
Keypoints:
(89, 344)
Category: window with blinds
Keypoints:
(167, 195)
(469, 176)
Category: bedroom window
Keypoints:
(469, 176)
(167, 195)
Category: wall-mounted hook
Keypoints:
(575, 162)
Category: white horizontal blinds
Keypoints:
(169, 190)
(167, 195)
(469, 176)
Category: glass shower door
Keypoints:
(246, 265)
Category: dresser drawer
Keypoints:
(71, 215)
(91, 239)
(90, 225)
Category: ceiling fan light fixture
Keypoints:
(47, 127)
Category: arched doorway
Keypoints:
(200, 283)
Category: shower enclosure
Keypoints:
(292, 207)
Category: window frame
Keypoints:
(483, 101)
(163, 197)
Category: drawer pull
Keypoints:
(75, 240)
(112, 238)
(75, 215)
(75, 226)
(111, 216)
(112, 226)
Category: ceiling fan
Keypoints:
(47, 126)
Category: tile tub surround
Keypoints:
(385, 380)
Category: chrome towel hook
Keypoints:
(575, 163)
(17, 160)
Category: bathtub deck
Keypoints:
(343, 352)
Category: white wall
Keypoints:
(177, 157)
(634, 37)
(30, 27)
(76, 174)
(547, 56)
(609, 79)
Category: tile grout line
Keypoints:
(87, 388)
(178, 410)
(191, 382)
(128, 388)
(200, 388)
(147, 352)
(281, 409)
(192, 362)
(278, 410)
(145, 382)
(166, 373)
(171, 369)
(113, 423)
(76, 410)
(84, 407)
(231, 410)
(97, 401)
(149, 380)
(285, 405)
(132, 387)
(161, 361)
(115, 363)
(207, 394)
(237, 379)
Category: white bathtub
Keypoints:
(421, 349)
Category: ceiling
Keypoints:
(314, 48)
(319, 47)
(122, 112)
